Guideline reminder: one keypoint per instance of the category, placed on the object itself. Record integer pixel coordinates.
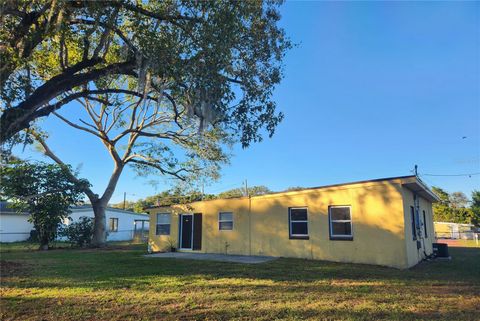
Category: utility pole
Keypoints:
(246, 188)
(124, 199)
(416, 170)
(203, 190)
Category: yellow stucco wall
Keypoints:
(414, 254)
(261, 225)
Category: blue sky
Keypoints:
(372, 89)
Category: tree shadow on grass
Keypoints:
(112, 269)
(124, 285)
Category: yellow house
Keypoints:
(383, 221)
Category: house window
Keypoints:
(340, 221)
(225, 221)
(414, 228)
(298, 219)
(163, 224)
(113, 224)
(425, 224)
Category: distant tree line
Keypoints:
(452, 207)
(456, 207)
(179, 196)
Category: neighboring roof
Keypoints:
(5, 209)
(411, 182)
(451, 223)
(87, 207)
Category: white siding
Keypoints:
(14, 227)
(126, 222)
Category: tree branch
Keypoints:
(77, 126)
(135, 8)
(117, 31)
(15, 119)
(176, 174)
(48, 152)
(22, 41)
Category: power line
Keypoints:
(470, 174)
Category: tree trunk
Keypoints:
(99, 206)
(43, 242)
(100, 224)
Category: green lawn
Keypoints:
(119, 284)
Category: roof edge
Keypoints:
(299, 190)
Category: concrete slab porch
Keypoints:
(245, 259)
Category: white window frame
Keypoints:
(169, 223)
(330, 221)
(113, 219)
(297, 221)
(224, 221)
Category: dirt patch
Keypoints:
(11, 268)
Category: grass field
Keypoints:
(119, 284)
(459, 243)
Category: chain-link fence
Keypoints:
(457, 235)
(137, 236)
(459, 239)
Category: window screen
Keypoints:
(340, 219)
(163, 224)
(225, 221)
(298, 218)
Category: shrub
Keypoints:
(79, 233)
(43, 190)
(33, 237)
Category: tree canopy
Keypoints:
(476, 207)
(165, 85)
(215, 61)
(454, 207)
(180, 196)
(239, 192)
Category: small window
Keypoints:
(425, 224)
(163, 224)
(225, 221)
(340, 220)
(414, 227)
(113, 224)
(298, 218)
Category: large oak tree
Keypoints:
(155, 78)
